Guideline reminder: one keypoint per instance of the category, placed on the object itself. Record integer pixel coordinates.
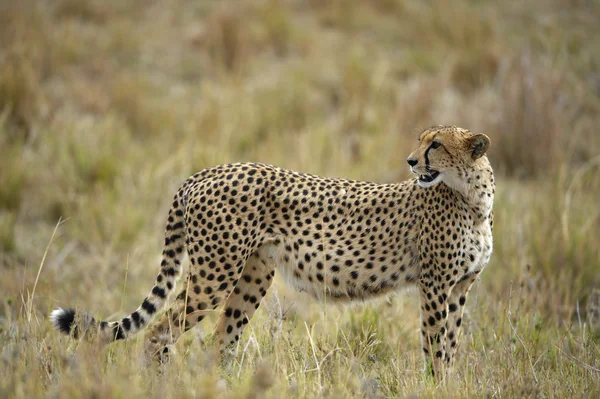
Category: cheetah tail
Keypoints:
(71, 322)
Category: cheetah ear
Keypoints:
(479, 144)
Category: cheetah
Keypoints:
(339, 239)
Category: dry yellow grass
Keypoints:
(106, 106)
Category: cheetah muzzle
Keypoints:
(333, 238)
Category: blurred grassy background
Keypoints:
(107, 106)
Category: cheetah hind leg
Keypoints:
(205, 290)
(179, 318)
(239, 308)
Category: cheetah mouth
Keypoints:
(430, 177)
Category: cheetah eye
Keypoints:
(435, 144)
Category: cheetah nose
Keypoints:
(412, 161)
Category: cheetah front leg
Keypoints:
(239, 308)
(456, 308)
(434, 313)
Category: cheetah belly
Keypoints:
(286, 264)
(318, 279)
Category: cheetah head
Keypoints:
(447, 154)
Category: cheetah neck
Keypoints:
(477, 187)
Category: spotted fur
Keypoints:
(341, 239)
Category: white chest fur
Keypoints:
(482, 246)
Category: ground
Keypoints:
(107, 106)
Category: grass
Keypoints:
(107, 106)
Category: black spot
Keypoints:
(137, 320)
(65, 321)
(431, 321)
(126, 323)
(148, 307)
(118, 332)
(159, 292)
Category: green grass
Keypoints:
(107, 106)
